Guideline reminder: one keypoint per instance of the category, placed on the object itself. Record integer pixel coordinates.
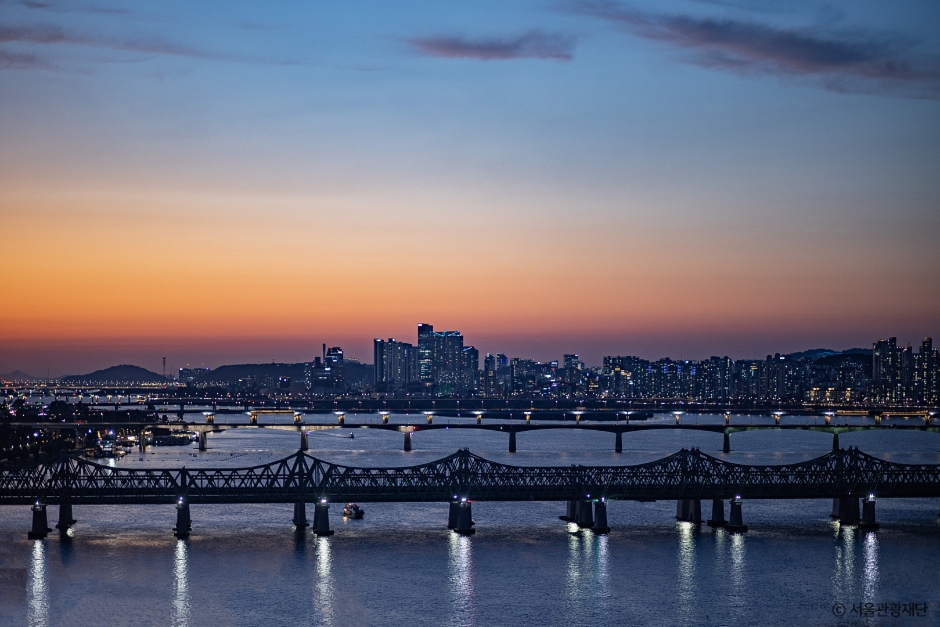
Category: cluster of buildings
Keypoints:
(440, 365)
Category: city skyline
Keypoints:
(225, 183)
(411, 342)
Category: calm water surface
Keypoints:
(400, 566)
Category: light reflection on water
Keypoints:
(843, 572)
(686, 583)
(587, 584)
(870, 553)
(181, 604)
(37, 587)
(461, 581)
(323, 592)
(739, 592)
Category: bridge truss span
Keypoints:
(687, 474)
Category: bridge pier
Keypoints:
(304, 441)
(65, 517)
(835, 442)
(726, 447)
(618, 443)
(203, 441)
(835, 507)
(848, 511)
(689, 510)
(512, 441)
(300, 516)
(465, 519)
(600, 517)
(868, 515)
(322, 516)
(736, 522)
(184, 523)
(40, 522)
(453, 514)
(585, 515)
(571, 512)
(718, 514)
(407, 440)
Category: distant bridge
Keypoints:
(687, 476)
(511, 428)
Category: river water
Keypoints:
(400, 566)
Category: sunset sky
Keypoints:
(222, 182)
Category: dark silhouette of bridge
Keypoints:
(509, 427)
(688, 477)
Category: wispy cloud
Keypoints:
(531, 45)
(844, 62)
(54, 35)
(21, 61)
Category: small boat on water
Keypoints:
(353, 511)
(352, 436)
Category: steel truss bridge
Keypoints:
(302, 478)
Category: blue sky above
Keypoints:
(731, 151)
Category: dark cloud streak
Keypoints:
(53, 35)
(749, 47)
(531, 45)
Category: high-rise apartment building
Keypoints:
(887, 387)
(426, 352)
(396, 365)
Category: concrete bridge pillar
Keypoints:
(848, 510)
(689, 510)
(453, 514)
(718, 514)
(184, 523)
(835, 442)
(600, 517)
(304, 441)
(726, 447)
(585, 515)
(571, 512)
(618, 443)
(300, 515)
(65, 516)
(141, 444)
(465, 519)
(40, 522)
(736, 522)
(384, 418)
(868, 515)
(408, 440)
(77, 441)
(835, 507)
(322, 516)
(203, 441)
(512, 441)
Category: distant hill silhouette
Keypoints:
(262, 373)
(125, 373)
(18, 375)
